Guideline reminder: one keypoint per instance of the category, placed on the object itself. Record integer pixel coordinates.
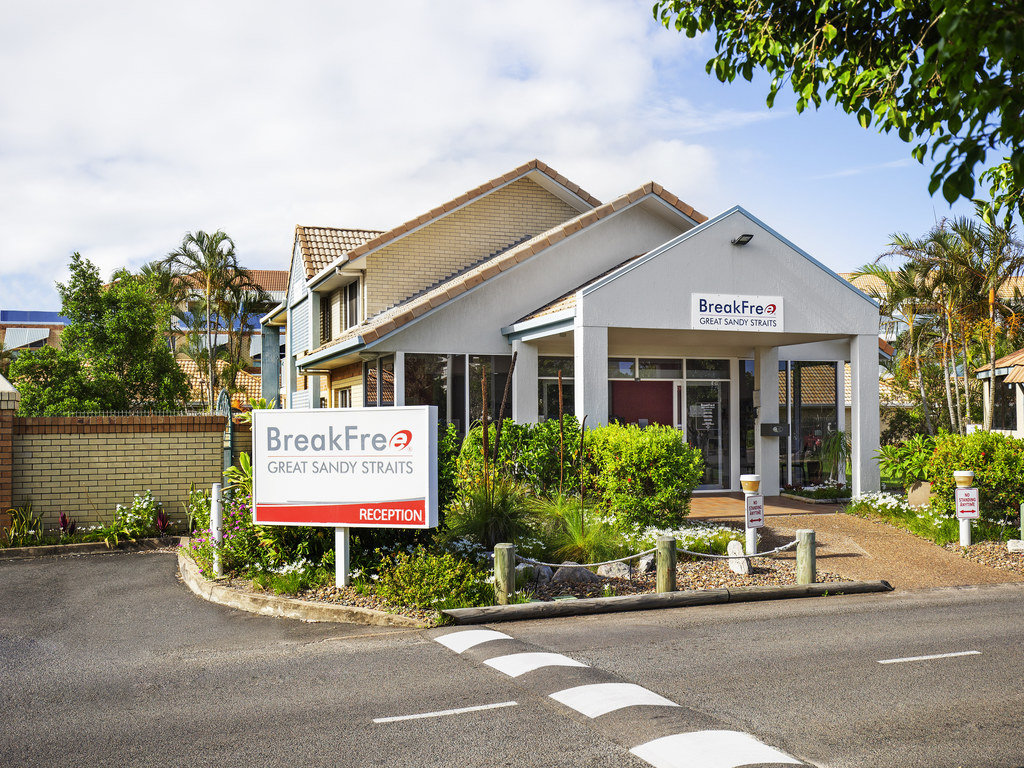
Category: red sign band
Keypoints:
(399, 514)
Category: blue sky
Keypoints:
(124, 125)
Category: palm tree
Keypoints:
(210, 261)
(992, 255)
(905, 294)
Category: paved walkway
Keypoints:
(856, 548)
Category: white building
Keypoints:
(652, 312)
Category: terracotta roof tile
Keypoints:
(322, 246)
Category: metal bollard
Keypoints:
(216, 530)
(504, 573)
(666, 562)
(806, 560)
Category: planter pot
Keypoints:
(919, 493)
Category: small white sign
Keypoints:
(724, 312)
(755, 510)
(968, 506)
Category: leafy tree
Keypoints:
(6, 356)
(946, 74)
(113, 354)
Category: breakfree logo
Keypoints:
(726, 312)
(344, 441)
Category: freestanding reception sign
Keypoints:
(345, 468)
(352, 467)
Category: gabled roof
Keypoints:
(390, 320)
(383, 238)
(1011, 364)
(321, 246)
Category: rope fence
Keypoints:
(626, 559)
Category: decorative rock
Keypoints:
(614, 571)
(738, 565)
(535, 574)
(574, 572)
(647, 564)
(1015, 545)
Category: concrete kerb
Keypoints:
(286, 607)
(87, 548)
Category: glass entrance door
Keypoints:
(707, 428)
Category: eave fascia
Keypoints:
(538, 327)
(340, 349)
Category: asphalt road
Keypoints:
(108, 660)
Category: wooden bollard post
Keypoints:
(665, 557)
(806, 565)
(504, 573)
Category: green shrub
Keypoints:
(527, 453)
(490, 511)
(574, 530)
(642, 477)
(998, 464)
(26, 528)
(906, 462)
(422, 579)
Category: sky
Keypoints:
(125, 125)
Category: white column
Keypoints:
(399, 378)
(766, 389)
(524, 383)
(313, 380)
(841, 409)
(1018, 401)
(590, 353)
(865, 415)
(290, 374)
(734, 424)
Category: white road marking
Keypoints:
(516, 664)
(709, 749)
(601, 698)
(929, 658)
(445, 712)
(468, 638)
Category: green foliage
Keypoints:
(906, 462)
(998, 464)
(528, 454)
(835, 453)
(26, 528)
(642, 477)
(113, 355)
(946, 74)
(448, 449)
(573, 530)
(490, 511)
(132, 522)
(422, 579)
(240, 477)
(197, 508)
(927, 522)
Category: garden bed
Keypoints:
(994, 554)
(691, 575)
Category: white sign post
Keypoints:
(753, 504)
(345, 468)
(968, 507)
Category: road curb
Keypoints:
(88, 548)
(525, 611)
(286, 607)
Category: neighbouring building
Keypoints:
(652, 313)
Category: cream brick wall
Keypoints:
(464, 237)
(87, 475)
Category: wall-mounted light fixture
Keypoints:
(742, 239)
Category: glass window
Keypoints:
(426, 382)
(653, 368)
(550, 366)
(495, 369)
(370, 384)
(387, 381)
(707, 369)
(1005, 415)
(814, 418)
(350, 293)
(621, 368)
(547, 408)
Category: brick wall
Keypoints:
(458, 240)
(87, 466)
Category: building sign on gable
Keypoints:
(351, 467)
(725, 312)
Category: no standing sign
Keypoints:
(350, 467)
